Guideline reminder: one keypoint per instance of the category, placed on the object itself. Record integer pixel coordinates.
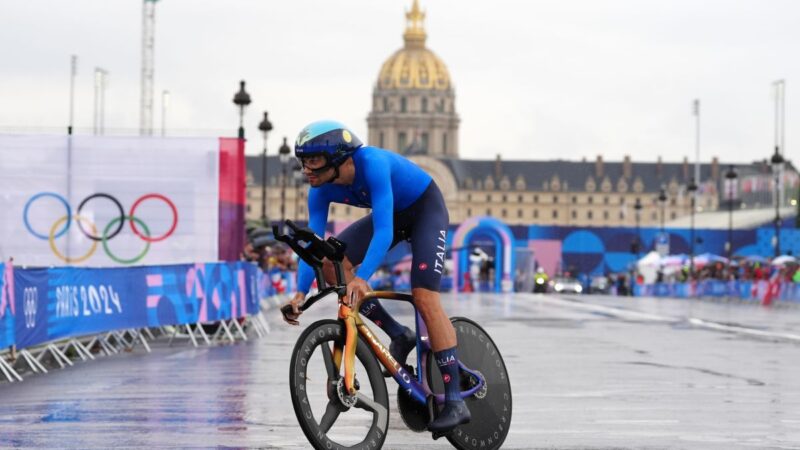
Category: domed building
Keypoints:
(413, 101)
(413, 113)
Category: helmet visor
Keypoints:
(315, 163)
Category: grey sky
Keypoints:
(533, 79)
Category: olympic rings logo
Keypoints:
(111, 230)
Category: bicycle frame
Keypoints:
(418, 388)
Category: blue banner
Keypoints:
(68, 301)
(7, 306)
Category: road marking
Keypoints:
(636, 315)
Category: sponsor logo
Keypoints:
(346, 136)
(423, 266)
(30, 299)
(446, 378)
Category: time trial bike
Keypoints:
(338, 389)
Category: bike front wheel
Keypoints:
(329, 417)
(490, 408)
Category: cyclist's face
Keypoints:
(311, 164)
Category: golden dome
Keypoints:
(414, 66)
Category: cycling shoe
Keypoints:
(453, 415)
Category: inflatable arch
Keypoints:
(504, 254)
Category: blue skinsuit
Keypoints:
(384, 181)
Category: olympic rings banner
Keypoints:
(69, 301)
(7, 306)
(118, 201)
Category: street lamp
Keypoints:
(662, 202)
(637, 206)
(284, 154)
(731, 176)
(777, 165)
(297, 175)
(241, 99)
(692, 188)
(265, 126)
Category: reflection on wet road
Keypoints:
(587, 372)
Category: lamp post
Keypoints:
(283, 152)
(637, 206)
(777, 165)
(241, 99)
(265, 126)
(731, 176)
(692, 188)
(297, 175)
(662, 202)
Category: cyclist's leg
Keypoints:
(357, 237)
(428, 237)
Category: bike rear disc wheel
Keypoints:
(327, 422)
(491, 414)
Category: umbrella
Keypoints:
(674, 260)
(784, 259)
(709, 258)
(756, 259)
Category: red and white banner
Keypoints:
(110, 201)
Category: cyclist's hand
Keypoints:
(356, 288)
(291, 311)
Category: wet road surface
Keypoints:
(587, 372)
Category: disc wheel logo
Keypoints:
(90, 230)
(30, 299)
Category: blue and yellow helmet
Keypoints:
(328, 138)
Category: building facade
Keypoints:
(413, 113)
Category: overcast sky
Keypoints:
(533, 79)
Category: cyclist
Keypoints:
(406, 205)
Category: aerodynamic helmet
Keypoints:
(328, 138)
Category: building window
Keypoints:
(488, 212)
(402, 104)
(574, 199)
(401, 141)
(622, 200)
(588, 214)
(574, 214)
(535, 199)
(653, 216)
(386, 103)
(605, 215)
(424, 104)
(535, 213)
(673, 201)
(469, 211)
(555, 214)
(444, 143)
(621, 215)
(673, 215)
(555, 199)
(469, 197)
(590, 199)
(380, 139)
(504, 213)
(519, 214)
(519, 198)
(248, 208)
(605, 200)
(424, 139)
(505, 199)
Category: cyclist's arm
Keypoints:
(379, 182)
(317, 219)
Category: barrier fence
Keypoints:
(762, 291)
(113, 306)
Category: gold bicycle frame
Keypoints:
(354, 326)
